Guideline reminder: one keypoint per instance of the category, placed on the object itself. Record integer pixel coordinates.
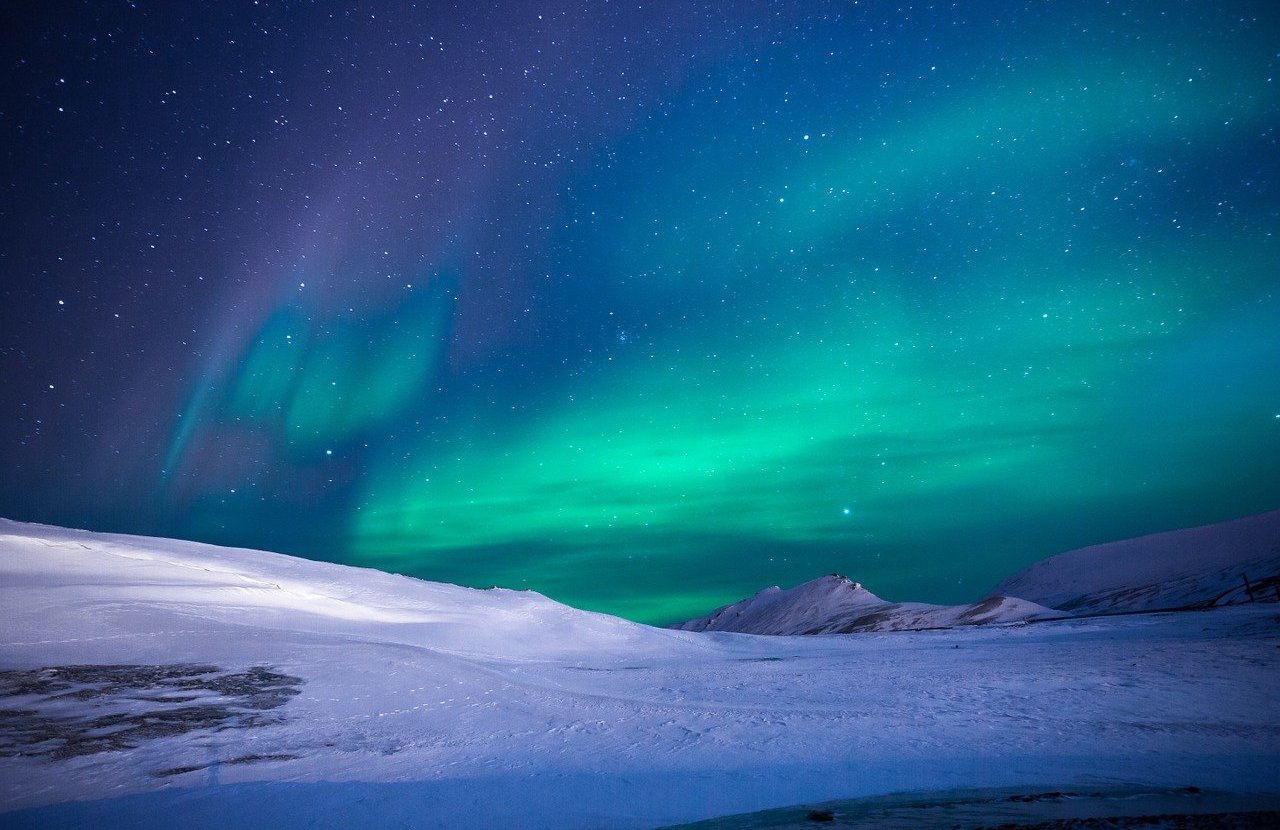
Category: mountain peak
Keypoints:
(1218, 564)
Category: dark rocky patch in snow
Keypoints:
(1184, 808)
(256, 759)
(67, 711)
(243, 759)
(1253, 820)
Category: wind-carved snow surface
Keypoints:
(837, 605)
(154, 683)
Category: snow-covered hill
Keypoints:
(1196, 566)
(1201, 566)
(837, 605)
(147, 683)
(107, 587)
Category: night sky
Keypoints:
(644, 306)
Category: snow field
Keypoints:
(426, 705)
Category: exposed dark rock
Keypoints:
(67, 711)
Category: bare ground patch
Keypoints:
(66, 711)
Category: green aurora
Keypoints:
(921, 336)
(918, 304)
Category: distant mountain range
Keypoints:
(1218, 564)
(1198, 566)
(837, 605)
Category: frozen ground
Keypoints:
(150, 679)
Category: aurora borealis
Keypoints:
(644, 306)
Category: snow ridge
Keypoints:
(1199, 566)
(1196, 567)
(835, 604)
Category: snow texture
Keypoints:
(1199, 566)
(154, 683)
(837, 605)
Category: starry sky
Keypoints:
(642, 305)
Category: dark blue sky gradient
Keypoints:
(644, 306)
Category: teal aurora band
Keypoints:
(648, 309)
